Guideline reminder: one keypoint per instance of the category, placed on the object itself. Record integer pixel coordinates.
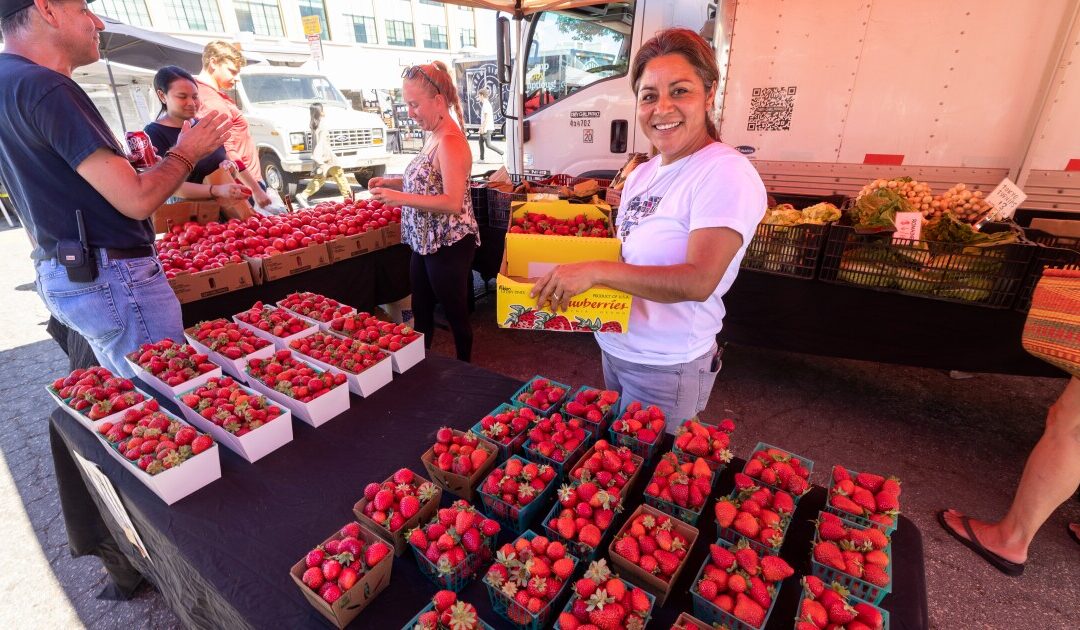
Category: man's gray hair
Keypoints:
(17, 21)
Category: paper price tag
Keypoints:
(908, 226)
(1005, 199)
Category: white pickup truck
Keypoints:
(276, 103)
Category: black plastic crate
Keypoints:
(786, 250)
(1053, 252)
(498, 202)
(479, 194)
(982, 276)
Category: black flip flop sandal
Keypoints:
(1012, 569)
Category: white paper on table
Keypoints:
(107, 492)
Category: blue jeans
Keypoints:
(681, 390)
(129, 303)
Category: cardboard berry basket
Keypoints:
(399, 539)
(232, 367)
(171, 390)
(431, 606)
(560, 467)
(409, 355)
(644, 450)
(457, 577)
(363, 383)
(710, 613)
(807, 463)
(508, 608)
(354, 600)
(645, 622)
(855, 518)
(84, 420)
(281, 343)
(179, 481)
(461, 485)
(625, 490)
(635, 574)
(596, 428)
(505, 450)
(857, 587)
(686, 514)
(317, 412)
(689, 622)
(555, 406)
(512, 517)
(732, 536)
(851, 600)
(253, 445)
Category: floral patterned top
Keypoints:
(423, 231)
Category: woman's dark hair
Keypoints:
(696, 51)
(164, 79)
(316, 110)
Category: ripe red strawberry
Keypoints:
(556, 439)
(542, 395)
(697, 439)
(749, 611)
(779, 468)
(170, 362)
(517, 483)
(643, 424)
(403, 494)
(153, 440)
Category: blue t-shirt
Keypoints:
(48, 126)
(163, 137)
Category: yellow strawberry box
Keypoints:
(530, 256)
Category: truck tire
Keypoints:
(275, 176)
(364, 175)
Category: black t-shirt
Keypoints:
(48, 126)
(163, 137)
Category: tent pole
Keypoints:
(116, 95)
(519, 107)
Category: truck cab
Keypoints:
(276, 103)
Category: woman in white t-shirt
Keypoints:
(686, 218)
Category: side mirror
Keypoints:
(502, 49)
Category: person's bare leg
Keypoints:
(1051, 476)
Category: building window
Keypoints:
(127, 11)
(399, 33)
(262, 17)
(194, 15)
(467, 37)
(432, 3)
(364, 29)
(435, 36)
(464, 9)
(316, 7)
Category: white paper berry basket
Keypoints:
(282, 343)
(363, 383)
(409, 355)
(317, 412)
(169, 390)
(93, 425)
(253, 445)
(232, 367)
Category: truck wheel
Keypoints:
(275, 176)
(364, 175)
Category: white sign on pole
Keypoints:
(316, 47)
(1005, 199)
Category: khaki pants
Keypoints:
(335, 173)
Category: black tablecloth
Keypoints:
(221, 556)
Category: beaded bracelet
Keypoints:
(184, 160)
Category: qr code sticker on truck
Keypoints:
(770, 109)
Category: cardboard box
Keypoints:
(317, 412)
(635, 574)
(398, 539)
(251, 446)
(289, 263)
(461, 485)
(528, 256)
(171, 214)
(363, 383)
(233, 367)
(281, 343)
(391, 235)
(690, 622)
(409, 355)
(87, 422)
(190, 287)
(167, 390)
(357, 245)
(354, 600)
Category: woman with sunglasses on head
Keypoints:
(437, 219)
(685, 221)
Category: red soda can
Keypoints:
(140, 151)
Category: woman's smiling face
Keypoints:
(673, 105)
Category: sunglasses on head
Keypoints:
(411, 71)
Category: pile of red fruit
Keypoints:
(645, 425)
(740, 582)
(459, 453)
(393, 502)
(710, 441)
(608, 466)
(191, 247)
(685, 484)
(555, 438)
(285, 374)
(315, 306)
(172, 363)
(456, 534)
(858, 552)
(583, 514)
(541, 394)
(866, 495)
(505, 427)
(779, 468)
(229, 406)
(652, 543)
(529, 574)
(539, 223)
(833, 607)
(276, 321)
(604, 600)
(448, 613)
(368, 328)
(153, 440)
(337, 565)
(96, 393)
(592, 404)
(229, 339)
(345, 354)
(760, 514)
(518, 482)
